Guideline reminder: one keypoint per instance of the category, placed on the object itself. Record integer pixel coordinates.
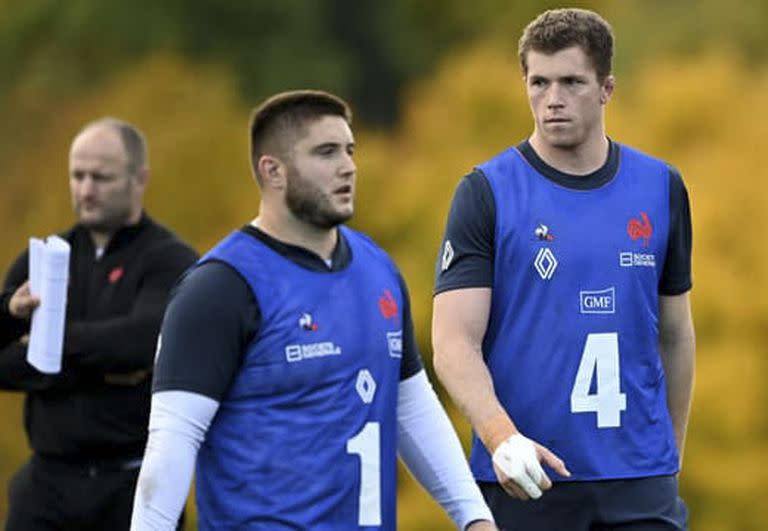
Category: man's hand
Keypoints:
(482, 525)
(517, 462)
(22, 302)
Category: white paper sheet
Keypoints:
(48, 279)
(36, 251)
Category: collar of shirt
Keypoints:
(596, 179)
(121, 238)
(340, 258)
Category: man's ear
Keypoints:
(141, 178)
(606, 90)
(271, 172)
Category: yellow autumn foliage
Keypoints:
(705, 116)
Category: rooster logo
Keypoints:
(388, 305)
(640, 228)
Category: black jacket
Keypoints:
(97, 408)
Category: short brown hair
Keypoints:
(558, 29)
(288, 113)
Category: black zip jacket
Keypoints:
(97, 408)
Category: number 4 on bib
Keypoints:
(600, 357)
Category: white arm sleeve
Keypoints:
(431, 450)
(178, 422)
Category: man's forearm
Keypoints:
(459, 322)
(677, 346)
(431, 449)
(178, 423)
(679, 365)
(121, 344)
(18, 375)
(468, 381)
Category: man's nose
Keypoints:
(348, 165)
(86, 185)
(555, 96)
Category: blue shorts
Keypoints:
(644, 504)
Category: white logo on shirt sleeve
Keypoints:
(159, 346)
(447, 255)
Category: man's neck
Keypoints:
(101, 238)
(289, 230)
(583, 159)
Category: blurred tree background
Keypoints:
(436, 88)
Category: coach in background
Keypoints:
(87, 425)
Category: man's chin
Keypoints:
(330, 222)
(563, 142)
(345, 216)
(90, 222)
(96, 225)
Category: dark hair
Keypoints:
(132, 139)
(558, 29)
(286, 114)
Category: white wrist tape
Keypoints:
(516, 458)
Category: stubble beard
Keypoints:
(111, 217)
(310, 205)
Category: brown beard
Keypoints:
(309, 205)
